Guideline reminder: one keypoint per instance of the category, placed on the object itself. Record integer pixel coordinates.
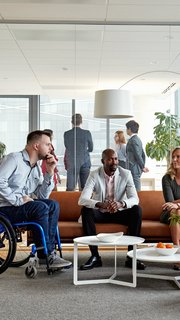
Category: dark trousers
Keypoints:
(44, 211)
(75, 175)
(131, 217)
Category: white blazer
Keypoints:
(95, 188)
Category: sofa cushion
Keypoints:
(151, 203)
(154, 229)
(69, 208)
(72, 229)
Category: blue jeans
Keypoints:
(43, 211)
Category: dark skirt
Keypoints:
(164, 217)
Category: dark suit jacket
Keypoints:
(135, 155)
(78, 143)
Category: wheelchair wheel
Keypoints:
(7, 243)
(31, 272)
(19, 259)
(23, 251)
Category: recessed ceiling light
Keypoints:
(168, 37)
(154, 62)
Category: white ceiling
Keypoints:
(71, 48)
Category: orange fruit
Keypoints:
(169, 246)
(161, 245)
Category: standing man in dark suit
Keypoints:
(135, 153)
(78, 143)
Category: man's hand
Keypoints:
(50, 164)
(145, 170)
(102, 205)
(27, 199)
(111, 205)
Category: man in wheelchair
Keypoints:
(24, 192)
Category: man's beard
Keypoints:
(42, 156)
(113, 168)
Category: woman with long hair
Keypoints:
(171, 192)
(120, 147)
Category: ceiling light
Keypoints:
(154, 62)
(168, 37)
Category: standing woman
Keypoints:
(171, 191)
(120, 148)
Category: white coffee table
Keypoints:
(150, 255)
(93, 241)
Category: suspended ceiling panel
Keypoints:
(75, 60)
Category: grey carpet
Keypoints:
(55, 297)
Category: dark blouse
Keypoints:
(171, 190)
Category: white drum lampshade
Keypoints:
(113, 103)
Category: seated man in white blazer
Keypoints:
(109, 196)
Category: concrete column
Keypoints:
(34, 113)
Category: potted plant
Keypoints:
(165, 137)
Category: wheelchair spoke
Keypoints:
(22, 249)
(7, 244)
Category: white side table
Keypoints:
(150, 255)
(93, 241)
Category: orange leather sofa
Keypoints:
(150, 201)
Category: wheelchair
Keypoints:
(11, 236)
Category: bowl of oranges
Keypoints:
(166, 249)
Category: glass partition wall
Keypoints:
(14, 122)
(56, 115)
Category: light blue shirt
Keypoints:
(18, 178)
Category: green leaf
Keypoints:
(174, 218)
(165, 137)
